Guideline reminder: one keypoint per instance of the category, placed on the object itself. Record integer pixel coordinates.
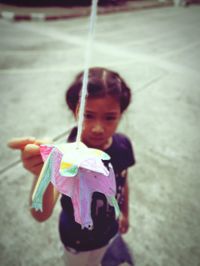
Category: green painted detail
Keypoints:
(105, 156)
(37, 206)
(113, 202)
(69, 172)
(37, 202)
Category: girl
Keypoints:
(108, 97)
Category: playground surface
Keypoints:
(157, 51)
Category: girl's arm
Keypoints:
(32, 161)
(124, 218)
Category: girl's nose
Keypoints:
(98, 129)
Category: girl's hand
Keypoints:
(123, 224)
(30, 153)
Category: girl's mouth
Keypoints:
(97, 138)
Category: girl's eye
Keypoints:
(110, 118)
(88, 116)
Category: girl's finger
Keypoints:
(32, 161)
(36, 169)
(43, 141)
(20, 143)
(30, 150)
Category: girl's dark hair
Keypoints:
(101, 82)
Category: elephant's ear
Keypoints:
(99, 154)
(45, 150)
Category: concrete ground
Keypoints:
(157, 51)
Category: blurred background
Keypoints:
(155, 46)
(60, 2)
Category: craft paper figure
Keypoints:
(76, 171)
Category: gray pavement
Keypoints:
(157, 51)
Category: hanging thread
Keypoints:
(86, 69)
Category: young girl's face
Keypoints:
(101, 118)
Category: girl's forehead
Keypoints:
(102, 104)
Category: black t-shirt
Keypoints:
(103, 215)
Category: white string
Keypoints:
(86, 69)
